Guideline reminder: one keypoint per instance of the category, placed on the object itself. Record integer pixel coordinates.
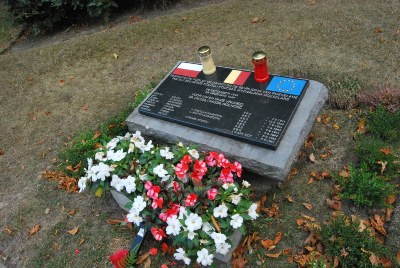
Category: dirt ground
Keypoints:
(52, 88)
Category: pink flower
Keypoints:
(152, 191)
(212, 193)
(237, 167)
(210, 161)
(158, 234)
(226, 176)
(190, 200)
(157, 202)
(148, 185)
(164, 266)
(181, 169)
(174, 210)
(176, 186)
(222, 161)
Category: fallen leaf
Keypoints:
(147, 263)
(293, 172)
(374, 260)
(326, 175)
(336, 126)
(310, 238)
(299, 221)
(361, 126)
(34, 230)
(311, 2)
(308, 217)
(309, 141)
(81, 241)
(301, 260)
(142, 258)
(273, 211)
(84, 107)
(47, 113)
(56, 246)
(260, 203)
(312, 157)
(307, 206)
(386, 150)
(344, 173)
(378, 224)
(336, 261)
(388, 215)
(319, 119)
(278, 237)
(177, 30)
(289, 198)
(310, 180)
(32, 115)
(238, 262)
(62, 81)
(257, 20)
(378, 30)
(8, 230)
(344, 253)
(383, 165)
(1, 152)
(73, 231)
(309, 248)
(386, 262)
(273, 255)
(327, 154)
(96, 134)
(391, 199)
(72, 212)
(398, 257)
(115, 55)
(267, 243)
(334, 204)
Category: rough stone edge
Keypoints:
(316, 95)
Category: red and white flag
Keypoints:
(188, 69)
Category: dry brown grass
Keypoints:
(51, 92)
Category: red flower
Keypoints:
(186, 159)
(164, 266)
(152, 191)
(176, 186)
(200, 166)
(174, 210)
(181, 169)
(190, 200)
(157, 202)
(222, 161)
(158, 233)
(164, 247)
(212, 193)
(119, 258)
(237, 167)
(226, 176)
(153, 251)
(196, 175)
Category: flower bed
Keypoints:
(191, 198)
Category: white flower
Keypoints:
(236, 221)
(193, 222)
(138, 205)
(130, 185)
(131, 148)
(194, 153)
(204, 258)
(174, 226)
(112, 143)
(136, 219)
(101, 172)
(207, 227)
(100, 156)
(89, 171)
(144, 177)
(218, 238)
(221, 211)
(160, 171)
(148, 146)
(117, 183)
(222, 248)
(227, 185)
(137, 136)
(235, 199)
(181, 255)
(82, 183)
(246, 184)
(166, 153)
(182, 212)
(180, 144)
(191, 235)
(252, 211)
(116, 156)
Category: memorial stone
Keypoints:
(262, 125)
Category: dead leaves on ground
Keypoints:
(65, 182)
(34, 230)
(73, 231)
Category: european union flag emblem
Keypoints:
(286, 85)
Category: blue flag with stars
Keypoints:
(286, 85)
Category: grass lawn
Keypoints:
(50, 93)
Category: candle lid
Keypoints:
(204, 51)
(259, 56)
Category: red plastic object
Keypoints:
(261, 74)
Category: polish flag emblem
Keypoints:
(188, 69)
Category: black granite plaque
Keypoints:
(229, 103)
